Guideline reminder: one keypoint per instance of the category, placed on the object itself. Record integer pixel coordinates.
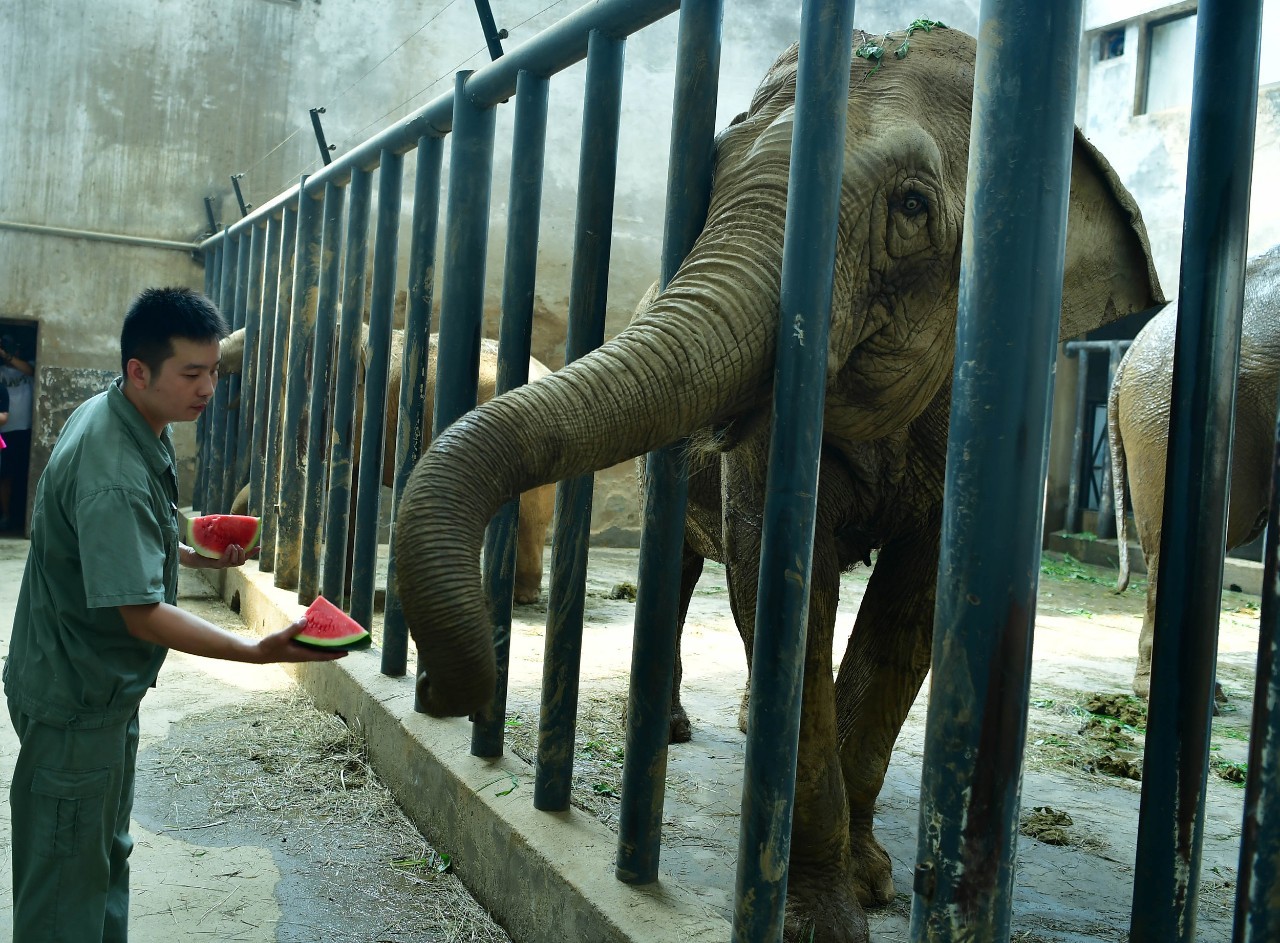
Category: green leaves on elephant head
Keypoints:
(874, 51)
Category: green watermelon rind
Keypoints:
(210, 552)
(341, 643)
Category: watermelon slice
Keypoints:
(211, 534)
(331, 629)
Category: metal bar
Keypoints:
(121, 238)
(222, 395)
(337, 517)
(382, 300)
(413, 377)
(235, 185)
(225, 477)
(997, 457)
(515, 341)
(492, 37)
(317, 419)
(302, 321)
(325, 146)
(1072, 523)
(208, 211)
(1257, 918)
(1201, 420)
(272, 462)
(249, 364)
(552, 50)
(204, 425)
(658, 598)
(264, 405)
(588, 289)
(782, 608)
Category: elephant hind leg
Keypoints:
(536, 508)
(690, 570)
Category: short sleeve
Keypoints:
(122, 549)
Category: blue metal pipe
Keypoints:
(1257, 918)
(1010, 298)
(302, 322)
(337, 519)
(666, 497)
(231, 428)
(223, 395)
(205, 424)
(271, 460)
(808, 264)
(515, 341)
(1201, 419)
(381, 302)
(413, 377)
(249, 364)
(264, 405)
(597, 177)
(312, 531)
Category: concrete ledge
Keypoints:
(546, 877)
(1241, 576)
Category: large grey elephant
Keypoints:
(537, 505)
(1138, 430)
(699, 362)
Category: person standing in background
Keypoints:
(17, 371)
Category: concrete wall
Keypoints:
(122, 116)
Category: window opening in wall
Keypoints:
(1111, 44)
(1171, 54)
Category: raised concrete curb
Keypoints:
(546, 877)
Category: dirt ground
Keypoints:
(257, 817)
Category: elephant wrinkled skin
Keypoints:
(699, 362)
(1138, 430)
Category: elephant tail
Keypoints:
(1118, 477)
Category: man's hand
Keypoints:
(280, 646)
(234, 555)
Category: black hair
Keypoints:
(158, 315)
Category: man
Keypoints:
(17, 373)
(96, 616)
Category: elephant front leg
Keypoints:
(883, 667)
(690, 570)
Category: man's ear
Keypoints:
(137, 374)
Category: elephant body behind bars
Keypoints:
(699, 362)
(1138, 432)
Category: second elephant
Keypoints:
(1138, 430)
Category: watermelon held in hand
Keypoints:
(331, 629)
(211, 534)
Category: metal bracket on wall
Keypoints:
(235, 185)
(492, 35)
(325, 147)
(208, 210)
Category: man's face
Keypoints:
(183, 386)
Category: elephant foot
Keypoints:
(681, 729)
(1142, 684)
(1142, 688)
(744, 708)
(872, 868)
(526, 596)
(823, 912)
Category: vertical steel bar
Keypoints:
(658, 598)
(311, 528)
(515, 340)
(1010, 298)
(222, 396)
(204, 426)
(302, 323)
(337, 518)
(1201, 424)
(231, 421)
(373, 430)
(272, 460)
(1257, 917)
(782, 608)
(413, 377)
(466, 246)
(1072, 523)
(263, 404)
(249, 363)
(597, 173)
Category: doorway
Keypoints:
(17, 372)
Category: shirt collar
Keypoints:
(155, 449)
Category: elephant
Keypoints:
(1138, 433)
(698, 362)
(537, 505)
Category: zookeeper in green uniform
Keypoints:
(96, 617)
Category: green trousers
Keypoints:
(70, 801)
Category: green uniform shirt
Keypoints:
(104, 533)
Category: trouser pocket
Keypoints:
(67, 808)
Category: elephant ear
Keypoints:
(1109, 271)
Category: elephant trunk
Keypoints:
(702, 352)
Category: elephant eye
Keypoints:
(914, 203)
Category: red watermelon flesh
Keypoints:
(211, 534)
(330, 628)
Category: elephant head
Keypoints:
(701, 355)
